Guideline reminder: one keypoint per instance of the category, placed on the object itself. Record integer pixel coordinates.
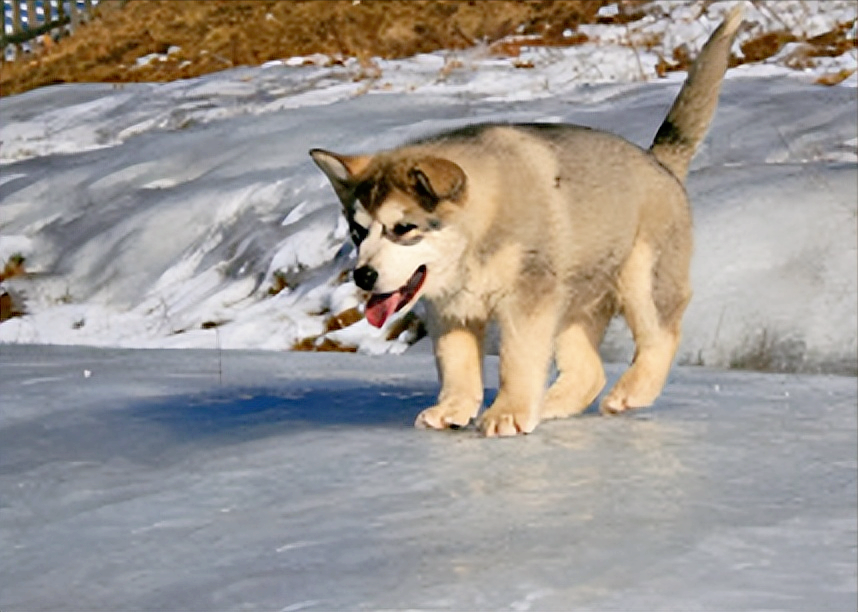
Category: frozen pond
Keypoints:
(192, 480)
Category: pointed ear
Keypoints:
(436, 179)
(340, 169)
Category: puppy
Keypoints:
(550, 230)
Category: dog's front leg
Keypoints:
(527, 340)
(459, 357)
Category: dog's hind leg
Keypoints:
(653, 296)
(459, 357)
(582, 376)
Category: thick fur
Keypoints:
(550, 230)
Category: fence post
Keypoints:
(17, 28)
(75, 16)
(32, 20)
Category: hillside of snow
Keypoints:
(162, 215)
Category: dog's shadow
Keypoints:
(252, 412)
(163, 429)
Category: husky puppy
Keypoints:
(549, 230)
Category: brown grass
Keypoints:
(9, 307)
(833, 43)
(14, 267)
(344, 319)
(410, 323)
(764, 46)
(218, 34)
(835, 78)
(323, 345)
(278, 283)
(829, 44)
(333, 323)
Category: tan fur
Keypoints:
(688, 120)
(547, 230)
(459, 352)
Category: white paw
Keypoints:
(504, 420)
(447, 415)
(619, 401)
(614, 403)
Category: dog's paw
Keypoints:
(504, 420)
(614, 404)
(447, 415)
(619, 401)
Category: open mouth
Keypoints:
(381, 306)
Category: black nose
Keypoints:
(365, 277)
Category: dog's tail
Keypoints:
(688, 120)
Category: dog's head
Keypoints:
(399, 208)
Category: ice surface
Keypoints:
(198, 480)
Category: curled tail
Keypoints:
(688, 120)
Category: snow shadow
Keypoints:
(253, 412)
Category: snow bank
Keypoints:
(160, 215)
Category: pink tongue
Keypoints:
(379, 310)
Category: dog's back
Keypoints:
(576, 196)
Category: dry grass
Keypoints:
(212, 35)
(14, 267)
(322, 345)
(217, 34)
(410, 324)
(9, 305)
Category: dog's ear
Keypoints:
(435, 179)
(341, 170)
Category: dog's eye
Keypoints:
(358, 233)
(400, 229)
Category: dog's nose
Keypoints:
(365, 277)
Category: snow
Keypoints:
(156, 57)
(147, 211)
(156, 216)
(284, 481)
